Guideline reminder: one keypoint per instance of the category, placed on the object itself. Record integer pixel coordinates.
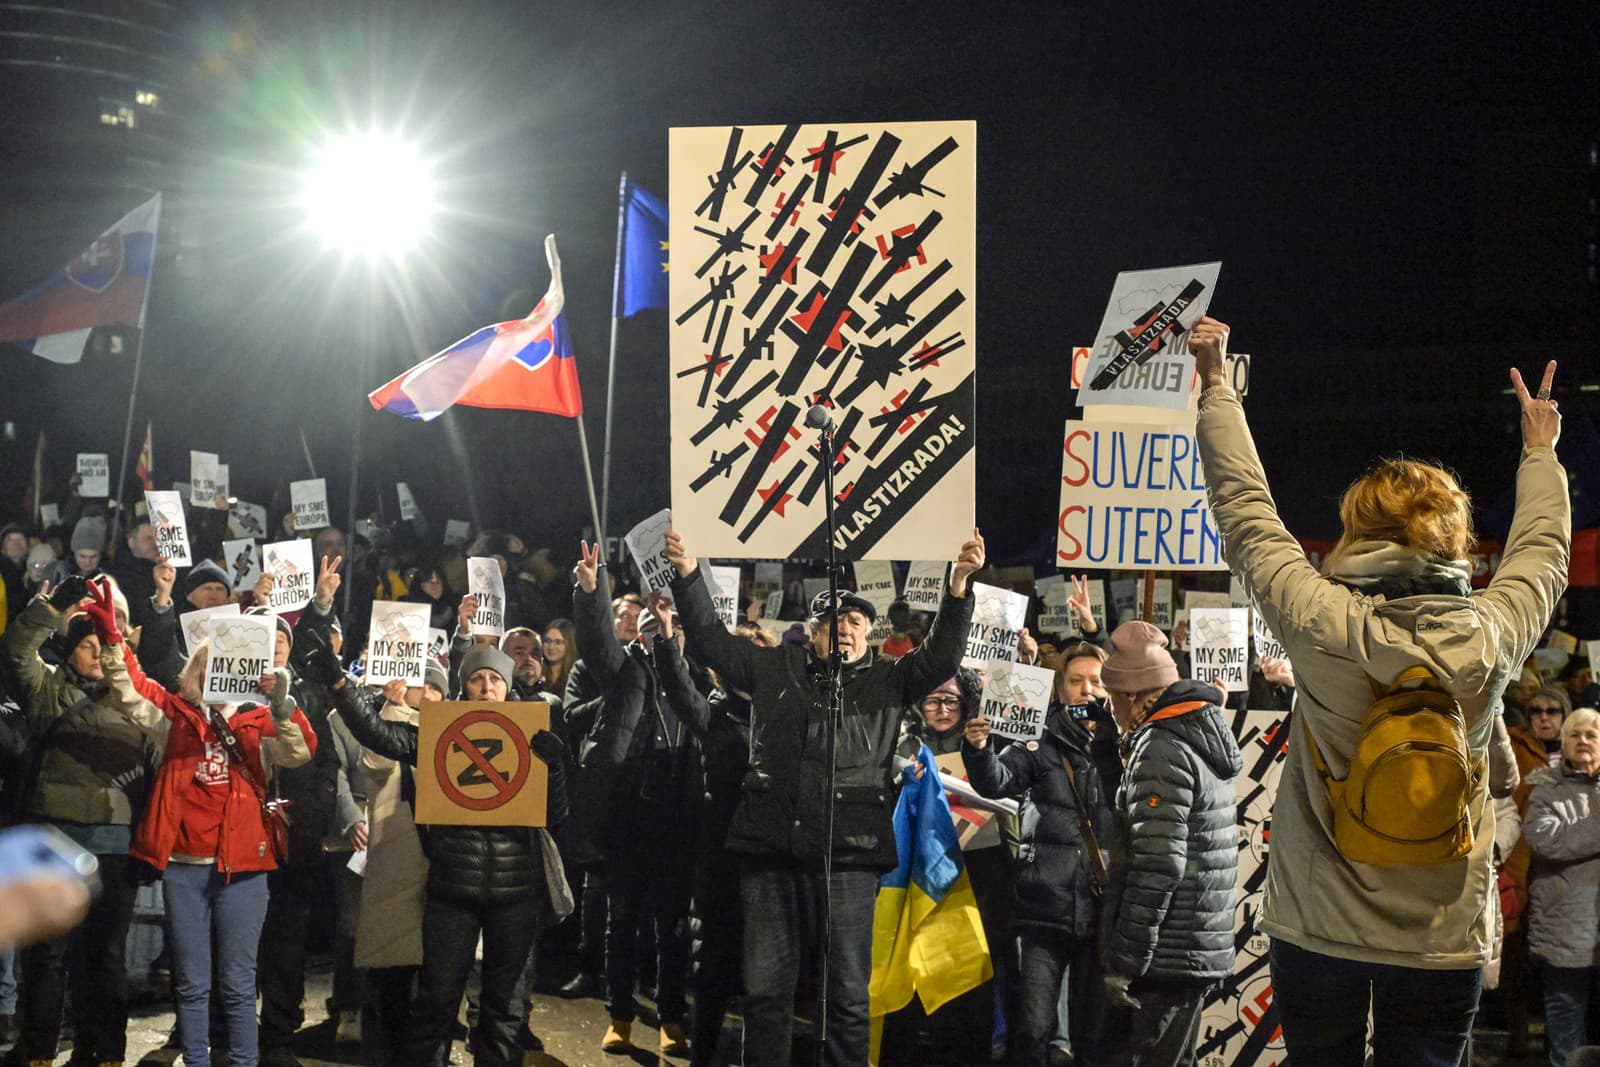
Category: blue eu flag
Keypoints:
(642, 252)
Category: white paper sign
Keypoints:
(997, 617)
(1141, 355)
(294, 573)
(488, 585)
(1052, 590)
(1200, 598)
(169, 526)
(774, 604)
(94, 475)
(241, 649)
(203, 478)
(408, 503)
(647, 543)
(1219, 647)
(812, 588)
(723, 584)
(925, 584)
(50, 515)
(439, 647)
(768, 577)
(247, 520)
(1267, 646)
(455, 531)
(224, 480)
(398, 643)
(194, 624)
(309, 499)
(875, 585)
(1016, 698)
(1161, 603)
(242, 560)
(1125, 598)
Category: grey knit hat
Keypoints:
(89, 534)
(490, 657)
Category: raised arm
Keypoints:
(591, 602)
(731, 657)
(939, 656)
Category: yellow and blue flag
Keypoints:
(927, 937)
(641, 280)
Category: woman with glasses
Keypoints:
(1547, 710)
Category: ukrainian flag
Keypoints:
(927, 938)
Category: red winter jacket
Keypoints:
(243, 844)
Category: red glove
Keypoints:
(103, 612)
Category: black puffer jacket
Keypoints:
(780, 812)
(1051, 871)
(472, 864)
(1170, 908)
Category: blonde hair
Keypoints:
(1411, 503)
(192, 679)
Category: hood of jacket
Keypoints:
(1188, 709)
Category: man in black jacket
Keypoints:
(778, 825)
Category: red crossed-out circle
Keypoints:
(504, 788)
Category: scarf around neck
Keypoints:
(1390, 570)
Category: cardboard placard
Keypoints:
(294, 573)
(997, 618)
(723, 585)
(1016, 698)
(203, 479)
(398, 642)
(925, 584)
(309, 498)
(195, 624)
(474, 767)
(488, 585)
(408, 503)
(169, 525)
(1219, 642)
(240, 652)
(242, 560)
(94, 475)
(647, 543)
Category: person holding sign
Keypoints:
(778, 826)
(1404, 939)
(503, 883)
(1059, 875)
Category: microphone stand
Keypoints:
(830, 737)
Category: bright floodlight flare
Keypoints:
(369, 194)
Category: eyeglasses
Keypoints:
(941, 702)
(1543, 709)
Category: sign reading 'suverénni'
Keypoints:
(834, 265)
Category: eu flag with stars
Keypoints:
(642, 252)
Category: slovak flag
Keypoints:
(526, 364)
(106, 285)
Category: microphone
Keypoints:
(817, 418)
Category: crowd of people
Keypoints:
(682, 855)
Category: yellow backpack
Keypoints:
(1408, 795)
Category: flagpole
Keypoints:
(138, 361)
(611, 366)
(588, 475)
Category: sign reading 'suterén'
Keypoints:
(1134, 495)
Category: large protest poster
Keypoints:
(997, 617)
(487, 585)
(398, 642)
(830, 264)
(94, 475)
(309, 498)
(1140, 357)
(239, 653)
(1239, 1026)
(242, 560)
(1016, 698)
(169, 525)
(474, 767)
(647, 543)
(1219, 641)
(293, 571)
(1133, 495)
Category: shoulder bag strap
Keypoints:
(1098, 877)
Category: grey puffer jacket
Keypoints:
(1562, 829)
(1169, 909)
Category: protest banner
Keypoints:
(1016, 698)
(997, 618)
(1219, 642)
(474, 767)
(203, 479)
(240, 652)
(831, 264)
(247, 520)
(875, 584)
(647, 543)
(169, 526)
(975, 827)
(94, 475)
(1140, 357)
(925, 584)
(50, 515)
(456, 531)
(723, 584)
(1134, 495)
(408, 503)
(1267, 645)
(487, 584)
(398, 643)
(194, 624)
(242, 560)
(1052, 590)
(309, 499)
(1125, 599)
(1236, 372)
(293, 571)
(224, 481)
(439, 646)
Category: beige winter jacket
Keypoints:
(389, 928)
(1433, 917)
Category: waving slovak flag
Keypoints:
(526, 364)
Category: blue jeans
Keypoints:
(1420, 1018)
(1566, 1008)
(782, 906)
(202, 903)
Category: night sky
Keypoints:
(1402, 204)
